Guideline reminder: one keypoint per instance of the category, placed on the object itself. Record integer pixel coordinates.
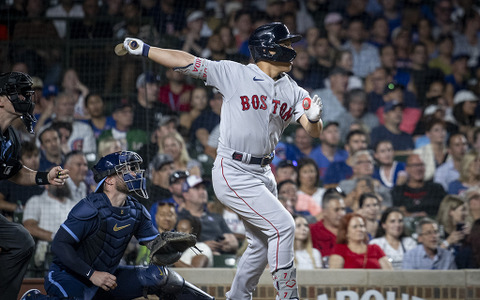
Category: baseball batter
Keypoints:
(259, 101)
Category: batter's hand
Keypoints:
(135, 46)
(57, 175)
(104, 280)
(313, 108)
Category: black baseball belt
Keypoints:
(262, 161)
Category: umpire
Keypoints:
(16, 243)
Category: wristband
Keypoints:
(146, 49)
(41, 178)
(313, 122)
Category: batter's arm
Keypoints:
(26, 176)
(313, 129)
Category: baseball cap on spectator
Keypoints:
(37, 83)
(332, 18)
(147, 77)
(431, 109)
(391, 105)
(464, 96)
(160, 160)
(50, 90)
(195, 15)
(392, 86)
(168, 201)
(175, 176)
(287, 163)
(122, 104)
(339, 70)
(165, 119)
(460, 56)
(192, 181)
(330, 123)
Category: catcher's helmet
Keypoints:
(267, 37)
(124, 164)
(13, 84)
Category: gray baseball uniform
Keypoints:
(256, 109)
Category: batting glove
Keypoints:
(313, 108)
(136, 46)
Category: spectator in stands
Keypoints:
(168, 17)
(112, 9)
(352, 250)
(402, 43)
(204, 259)
(435, 152)
(193, 38)
(357, 112)
(51, 154)
(467, 40)
(452, 215)
(328, 151)
(344, 59)
(76, 90)
(65, 9)
(468, 255)
(469, 175)
(392, 238)
(464, 106)
(131, 139)
(428, 255)
(306, 257)
(365, 56)
(375, 84)
(449, 171)
(387, 170)
(421, 74)
(302, 204)
(203, 125)
(338, 170)
(362, 181)
(286, 170)
(64, 130)
(160, 169)
(92, 25)
(173, 144)
(107, 146)
(443, 61)
(472, 197)
(417, 197)
(98, 121)
(369, 208)
(243, 28)
(44, 214)
(458, 79)
(380, 33)
(424, 35)
(81, 137)
(392, 115)
(76, 162)
(302, 71)
(175, 181)
(476, 140)
(176, 93)
(323, 58)
(324, 232)
(333, 27)
(309, 180)
(198, 104)
(333, 96)
(215, 232)
(302, 145)
(411, 114)
(148, 111)
(13, 196)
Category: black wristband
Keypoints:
(313, 122)
(41, 178)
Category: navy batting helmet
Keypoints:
(267, 38)
(13, 84)
(125, 164)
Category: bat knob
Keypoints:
(133, 45)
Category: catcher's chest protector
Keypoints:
(116, 225)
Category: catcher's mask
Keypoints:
(268, 38)
(12, 85)
(126, 164)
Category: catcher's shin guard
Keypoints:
(177, 288)
(285, 282)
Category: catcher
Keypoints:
(90, 243)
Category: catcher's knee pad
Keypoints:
(285, 282)
(152, 276)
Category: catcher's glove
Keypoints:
(168, 247)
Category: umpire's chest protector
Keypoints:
(104, 249)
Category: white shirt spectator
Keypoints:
(59, 12)
(189, 254)
(395, 255)
(304, 260)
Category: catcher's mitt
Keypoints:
(168, 247)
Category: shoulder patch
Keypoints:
(83, 211)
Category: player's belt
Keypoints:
(262, 161)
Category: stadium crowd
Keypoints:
(393, 181)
